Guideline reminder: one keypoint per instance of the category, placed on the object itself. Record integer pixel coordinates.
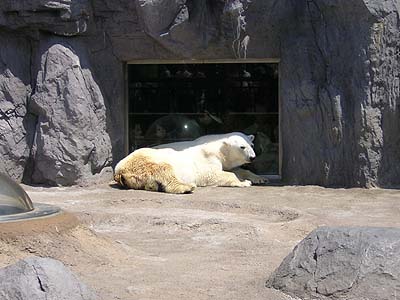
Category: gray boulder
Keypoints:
(38, 278)
(342, 263)
(71, 142)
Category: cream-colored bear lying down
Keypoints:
(180, 167)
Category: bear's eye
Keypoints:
(243, 147)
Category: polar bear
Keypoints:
(242, 174)
(180, 167)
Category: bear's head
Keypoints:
(237, 150)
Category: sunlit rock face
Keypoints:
(71, 142)
(339, 83)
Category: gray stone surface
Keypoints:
(71, 141)
(339, 65)
(340, 89)
(38, 278)
(342, 263)
(58, 17)
(15, 125)
(213, 28)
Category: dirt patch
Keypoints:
(217, 243)
(16, 230)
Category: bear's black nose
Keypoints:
(252, 158)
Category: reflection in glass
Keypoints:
(176, 102)
(13, 199)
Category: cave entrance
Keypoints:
(178, 101)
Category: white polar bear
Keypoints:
(180, 167)
(242, 174)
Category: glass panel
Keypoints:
(13, 198)
(177, 102)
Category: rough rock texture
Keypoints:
(339, 66)
(38, 278)
(59, 17)
(342, 263)
(71, 141)
(15, 125)
(341, 93)
(213, 27)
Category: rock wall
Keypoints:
(16, 126)
(339, 81)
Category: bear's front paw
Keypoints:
(258, 180)
(245, 183)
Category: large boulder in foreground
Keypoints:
(38, 278)
(342, 263)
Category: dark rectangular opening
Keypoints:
(178, 102)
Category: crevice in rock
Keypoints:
(30, 121)
(181, 16)
(107, 36)
(315, 258)
(41, 286)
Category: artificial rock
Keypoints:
(342, 263)
(71, 142)
(36, 278)
(339, 82)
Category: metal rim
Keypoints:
(40, 210)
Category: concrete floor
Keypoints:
(217, 243)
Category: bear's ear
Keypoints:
(251, 137)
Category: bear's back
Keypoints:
(179, 146)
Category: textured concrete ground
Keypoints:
(217, 243)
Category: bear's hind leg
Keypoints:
(174, 187)
(129, 181)
(167, 182)
(180, 188)
(143, 174)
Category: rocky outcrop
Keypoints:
(36, 278)
(58, 17)
(71, 141)
(342, 263)
(210, 26)
(339, 83)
